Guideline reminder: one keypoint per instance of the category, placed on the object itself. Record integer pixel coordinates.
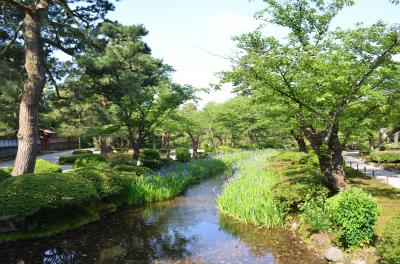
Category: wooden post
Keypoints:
(373, 173)
(365, 169)
(357, 166)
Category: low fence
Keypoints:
(9, 146)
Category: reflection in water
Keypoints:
(183, 230)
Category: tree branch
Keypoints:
(12, 41)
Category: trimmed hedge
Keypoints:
(150, 154)
(183, 155)
(106, 181)
(4, 175)
(88, 159)
(138, 170)
(122, 160)
(81, 151)
(27, 195)
(389, 247)
(44, 166)
(389, 156)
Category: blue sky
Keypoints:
(185, 32)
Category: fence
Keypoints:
(9, 146)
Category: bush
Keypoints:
(354, 213)
(44, 166)
(81, 151)
(140, 171)
(107, 182)
(315, 215)
(294, 157)
(389, 247)
(389, 156)
(152, 164)
(87, 159)
(70, 159)
(150, 154)
(225, 149)
(183, 155)
(27, 195)
(122, 160)
(121, 150)
(4, 175)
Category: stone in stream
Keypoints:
(358, 261)
(334, 254)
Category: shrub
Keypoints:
(315, 215)
(183, 154)
(152, 164)
(140, 171)
(27, 195)
(225, 149)
(87, 159)
(70, 159)
(389, 247)
(4, 175)
(292, 157)
(150, 154)
(121, 150)
(81, 151)
(122, 160)
(106, 181)
(354, 213)
(389, 156)
(44, 166)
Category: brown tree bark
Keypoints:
(32, 91)
(195, 144)
(329, 156)
(301, 143)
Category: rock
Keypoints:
(358, 261)
(334, 254)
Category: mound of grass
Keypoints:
(27, 195)
(88, 159)
(4, 175)
(44, 166)
(81, 151)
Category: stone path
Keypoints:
(353, 160)
(52, 157)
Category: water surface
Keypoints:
(186, 229)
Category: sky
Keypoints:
(193, 36)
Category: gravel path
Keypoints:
(387, 176)
(53, 157)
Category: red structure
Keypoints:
(45, 136)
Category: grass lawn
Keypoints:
(388, 197)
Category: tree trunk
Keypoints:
(371, 142)
(382, 137)
(138, 145)
(105, 145)
(132, 141)
(329, 156)
(32, 91)
(301, 143)
(195, 144)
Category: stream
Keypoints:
(187, 229)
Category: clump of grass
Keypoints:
(248, 195)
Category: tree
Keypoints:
(46, 26)
(316, 72)
(119, 66)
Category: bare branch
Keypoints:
(12, 41)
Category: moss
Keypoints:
(88, 159)
(4, 175)
(44, 166)
(27, 195)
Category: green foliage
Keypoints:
(315, 214)
(293, 157)
(150, 154)
(248, 196)
(107, 182)
(388, 248)
(27, 195)
(141, 171)
(152, 164)
(121, 150)
(389, 156)
(87, 159)
(81, 151)
(122, 160)
(44, 166)
(183, 155)
(224, 149)
(4, 175)
(355, 214)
